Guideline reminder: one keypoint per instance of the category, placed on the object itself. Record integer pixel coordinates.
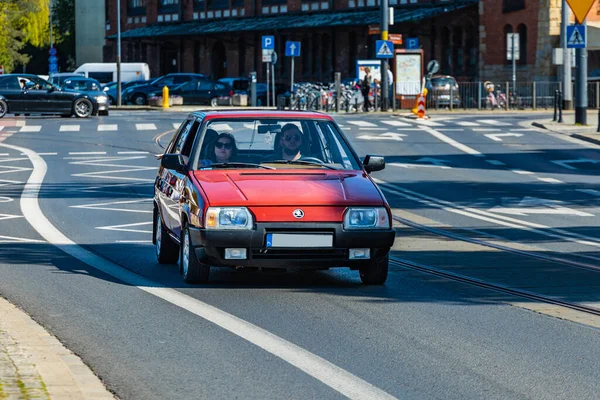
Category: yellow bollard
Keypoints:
(165, 97)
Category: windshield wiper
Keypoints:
(301, 162)
(236, 165)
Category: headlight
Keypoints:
(101, 99)
(229, 218)
(366, 218)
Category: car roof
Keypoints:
(259, 113)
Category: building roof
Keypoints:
(291, 21)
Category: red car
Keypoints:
(269, 189)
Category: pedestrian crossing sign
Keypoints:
(385, 49)
(576, 36)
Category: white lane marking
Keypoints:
(452, 142)
(426, 122)
(101, 206)
(383, 136)
(523, 130)
(452, 129)
(20, 123)
(4, 154)
(494, 162)
(361, 123)
(176, 125)
(549, 180)
(490, 217)
(1, 127)
(331, 375)
(126, 227)
(11, 239)
(466, 123)
(393, 122)
(346, 128)
(565, 163)
(132, 152)
(86, 153)
(31, 128)
(493, 122)
(134, 241)
(69, 128)
(107, 127)
(9, 216)
(145, 127)
(486, 130)
(44, 154)
(589, 191)
(496, 136)
(373, 129)
(415, 129)
(521, 172)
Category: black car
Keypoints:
(204, 91)
(30, 94)
(138, 95)
(90, 86)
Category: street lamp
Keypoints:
(119, 53)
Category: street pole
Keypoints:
(273, 82)
(51, 42)
(268, 73)
(292, 77)
(566, 68)
(384, 61)
(514, 67)
(119, 53)
(581, 83)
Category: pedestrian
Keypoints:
(390, 84)
(365, 88)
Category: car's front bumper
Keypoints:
(209, 246)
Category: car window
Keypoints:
(182, 137)
(259, 141)
(206, 86)
(9, 82)
(189, 87)
(240, 84)
(220, 86)
(181, 79)
(166, 81)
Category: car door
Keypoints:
(12, 92)
(206, 92)
(33, 94)
(189, 92)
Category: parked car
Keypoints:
(227, 195)
(30, 94)
(138, 95)
(91, 87)
(111, 89)
(59, 78)
(440, 88)
(239, 85)
(204, 91)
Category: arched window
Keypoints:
(507, 29)
(522, 29)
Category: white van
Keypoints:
(107, 72)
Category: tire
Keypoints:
(3, 108)
(139, 100)
(103, 113)
(376, 272)
(82, 108)
(192, 270)
(167, 251)
(214, 102)
(65, 115)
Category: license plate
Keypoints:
(299, 240)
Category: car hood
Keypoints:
(288, 188)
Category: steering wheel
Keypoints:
(313, 159)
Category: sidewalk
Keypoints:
(35, 365)
(587, 132)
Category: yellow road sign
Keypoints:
(581, 8)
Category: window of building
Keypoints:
(168, 6)
(512, 5)
(522, 29)
(199, 5)
(217, 4)
(136, 7)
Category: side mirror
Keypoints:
(174, 162)
(374, 163)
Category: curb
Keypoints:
(576, 135)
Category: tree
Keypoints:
(12, 39)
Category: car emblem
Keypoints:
(298, 213)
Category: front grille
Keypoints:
(298, 254)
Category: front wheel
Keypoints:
(139, 100)
(82, 108)
(193, 271)
(376, 272)
(3, 108)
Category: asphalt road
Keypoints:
(150, 336)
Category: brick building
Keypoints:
(223, 37)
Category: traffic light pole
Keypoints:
(581, 99)
(384, 62)
(119, 53)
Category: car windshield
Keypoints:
(277, 143)
(443, 82)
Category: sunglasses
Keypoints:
(220, 145)
(290, 137)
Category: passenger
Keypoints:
(223, 149)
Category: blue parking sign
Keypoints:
(268, 42)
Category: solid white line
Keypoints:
(44, 154)
(134, 241)
(494, 162)
(333, 376)
(549, 180)
(18, 239)
(81, 153)
(132, 152)
(466, 123)
(493, 122)
(373, 129)
(452, 142)
(521, 172)
(393, 122)
(4, 154)
(452, 129)
(486, 130)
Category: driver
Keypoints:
(290, 142)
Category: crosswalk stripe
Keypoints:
(145, 127)
(466, 123)
(31, 128)
(486, 130)
(427, 122)
(107, 127)
(1, 127)
(395, 123)
(176, 125)
(361, 123)
(69, 128)
(493, 122)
